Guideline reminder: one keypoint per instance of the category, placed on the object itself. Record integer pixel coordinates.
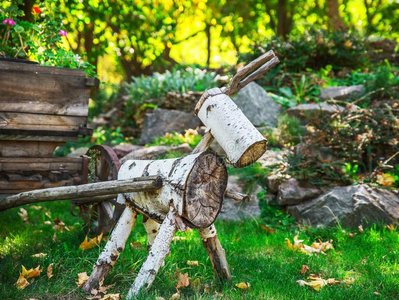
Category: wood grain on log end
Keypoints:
(204, 192)
(252, 154)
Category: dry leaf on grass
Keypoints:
(22, 282)
(111, 297)
(268, 229)
(175, 296)
(136, 245)
(47, 222)
(385, 179)
(243, 286)
(87, 245)
(182, 281)
(316, 247)
(59, 225)
(304, 269)
(193, 263)
(317, 283)
(103, 289)
(31, 272)
(82, 279)
(23, 214)
(35, 207)
(390, 227)
(179, 238)
(360, 228)
(50, 271)
(39, 255)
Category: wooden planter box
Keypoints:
(40, 108)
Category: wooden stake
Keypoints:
(216, 253)
(112, 249)
(102, 188)
(159, 250)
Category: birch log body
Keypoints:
(195, 184)
(238, 137)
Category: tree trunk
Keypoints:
(208, 46)
(284, 19)
(336, 22)
(195, 184)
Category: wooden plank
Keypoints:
(28, 148)
(30, 121)
(15, 164)
(41, 89)
(50, 138)
(16, 187)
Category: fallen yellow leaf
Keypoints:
(193, 263)
(182, 281)
(175, 296)
(22, 282)
(31, 272)
(317, 283)
(87, 245)
(385, 179)
(243, 286)
(50, 271)
(82, 279)
(111, 297)
(304, 269)
(39, 255)
(23, 214)
(268, 229)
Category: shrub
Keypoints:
(314, 49)
(288, 132)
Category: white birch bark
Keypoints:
(159, 250)
(238, 137)
(151, 228)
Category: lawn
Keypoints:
(254, 256)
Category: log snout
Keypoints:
(195, 184)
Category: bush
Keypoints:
(315, 49)
(157, 85)
(288, 132)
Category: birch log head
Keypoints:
(195, 184)
(238, 137)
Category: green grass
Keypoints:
(372, 258)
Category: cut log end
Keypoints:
(206, 186)
(252, 154)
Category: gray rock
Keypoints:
(272, 158)
(78, 152)
(291, 192)
(258, 106)
(155, 152)
(236, 210)
(351, 205)
(275, 180)
(342, 92)
(161, 121)
(122, 150)
(306, 112)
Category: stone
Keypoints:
(122, 150)
(161, 121)
(272, 158)
(306, 112)
(342, 92)
(237, 210)
(351, 206)
(274, 181)
(257, 105)
(291, 192)
(155, 152)
(78, 152)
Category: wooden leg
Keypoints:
(159, 250)
(216, 253)
(112, 249)
(152, 228)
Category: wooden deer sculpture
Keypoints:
(194, 186)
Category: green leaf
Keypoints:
(18, 28)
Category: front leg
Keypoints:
(112, 249)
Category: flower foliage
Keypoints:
(42, 40)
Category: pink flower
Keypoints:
(9, 22)
(63, 33)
